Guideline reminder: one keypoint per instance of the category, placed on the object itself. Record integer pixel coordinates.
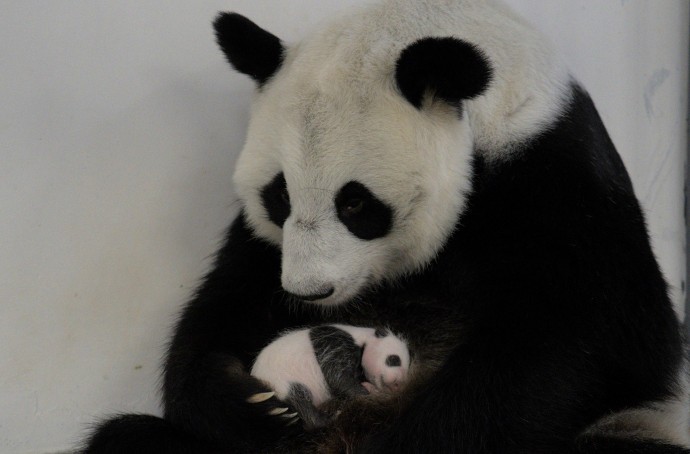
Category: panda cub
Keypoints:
(308, 367)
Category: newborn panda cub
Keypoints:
(308, 367)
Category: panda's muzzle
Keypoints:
(314, 296)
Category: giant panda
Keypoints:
(432, 166)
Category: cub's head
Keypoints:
(385, 361)
(357, 156)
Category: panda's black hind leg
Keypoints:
(613, 445)
(137, 433)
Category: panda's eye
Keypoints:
(352, 207)
(364, 215)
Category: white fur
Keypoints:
(290, 359)
(332, 114)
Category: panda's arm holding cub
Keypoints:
(230, 319)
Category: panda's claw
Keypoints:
(289, 415)
(292, 421)
(260, 397)
(278, 411)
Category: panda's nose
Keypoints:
(313, 296)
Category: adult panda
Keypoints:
(433, 167)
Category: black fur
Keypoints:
(250, 49)
(381, 333)
(144, 434)
(364, 215)
(276, 200)
(544, 311)
(340, 359)
(206, 381)
(448, 68)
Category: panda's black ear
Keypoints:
(249, 48)
(448, 68)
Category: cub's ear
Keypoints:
(449, 68)
(249, 48)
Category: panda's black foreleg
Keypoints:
(142, 434)
(239, 308)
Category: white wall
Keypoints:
(119, 123)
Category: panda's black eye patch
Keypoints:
(363, 214)
(276, 200)
(380, 333)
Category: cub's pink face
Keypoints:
(386, 362)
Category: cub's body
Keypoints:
(308, 367)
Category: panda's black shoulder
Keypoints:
(560, 209)
(568, 172)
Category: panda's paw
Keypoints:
(289, 417)
(274, 408)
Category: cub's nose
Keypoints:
(313, 296)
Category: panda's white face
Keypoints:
(355, 188)
(357, 160)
